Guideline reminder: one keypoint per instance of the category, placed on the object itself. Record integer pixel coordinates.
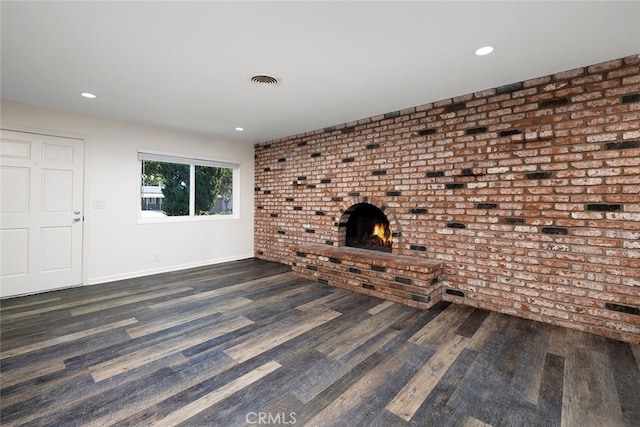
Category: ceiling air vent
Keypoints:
(265, 80)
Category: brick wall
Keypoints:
(529, 194)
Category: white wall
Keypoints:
(116, 245)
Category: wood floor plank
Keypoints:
(314, 379)
(167, 322)
(27, 415)
(626, 374)
(276, 295)
(550, 396)
(251, 348)
(147, 355)
(530, 368)
(471, 325)
(438, 409)
(315, 372)
(134, 408)
(140, 407)
(443, 327)
(380, 307)
(587, 391)
(635, 349)
(59, 386)
(488, 391)
(233, 410)
(406, 403)
(361, 363)
(64, 306)
(127, 301)
(374, 387)
(34, 330)
(474, 422)
(199, 405)
(283, 406)
(240, 287)
(7, 305)
(373, 345)
(483, 333)
(339, 346)
(33, 370)
(339, 293)
(65, 338)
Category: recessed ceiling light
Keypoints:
(484, 50)
(239, 129)
(88, 95)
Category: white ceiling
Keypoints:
(185, 65)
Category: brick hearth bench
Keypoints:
(403, 279)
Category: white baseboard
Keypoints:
(167, 269)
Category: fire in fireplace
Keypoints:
(368, 228)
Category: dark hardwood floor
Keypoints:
(247, 343)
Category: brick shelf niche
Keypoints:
(528, 194)
(407, 280)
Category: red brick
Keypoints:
(501, 260)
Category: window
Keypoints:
(172, 186)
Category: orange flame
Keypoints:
(382, 232)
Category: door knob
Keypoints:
(77, 219)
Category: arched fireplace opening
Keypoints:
(368, 228)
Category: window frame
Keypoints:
(192, 162)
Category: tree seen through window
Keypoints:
(166, 189)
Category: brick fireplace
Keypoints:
(522, 199)
(360, 262)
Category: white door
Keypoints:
(41, 215)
